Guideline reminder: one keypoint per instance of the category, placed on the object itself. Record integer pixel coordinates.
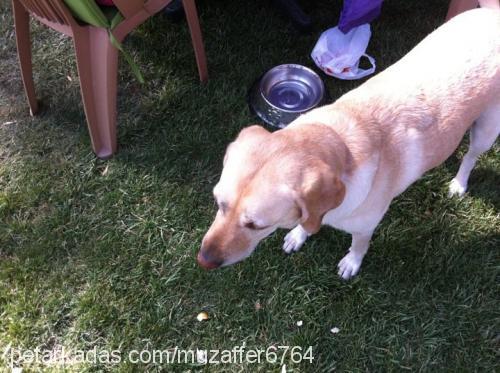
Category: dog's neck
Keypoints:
(340, 134)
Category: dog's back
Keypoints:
(421, 106)
(447, 80)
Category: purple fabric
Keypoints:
(358, 12)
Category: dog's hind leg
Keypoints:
(482, 136)
(295, 239)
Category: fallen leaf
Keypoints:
(202, 316)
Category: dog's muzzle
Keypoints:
(206, 261)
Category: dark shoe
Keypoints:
(292, 10)
(174, 11)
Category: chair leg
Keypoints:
(459, 6)
(196, 37)
(22, 27)
(97, 62)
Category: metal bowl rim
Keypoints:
(256, 103)
(300, 67)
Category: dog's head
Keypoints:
(269, 181)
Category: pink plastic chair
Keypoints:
(97, 58)
(459, 6)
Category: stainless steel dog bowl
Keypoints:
(285, 92)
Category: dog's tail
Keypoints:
(491, 4)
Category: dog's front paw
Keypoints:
(294, 239)
(456, 188)
(349, 265)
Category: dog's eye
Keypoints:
(251, 225)
(222, 206)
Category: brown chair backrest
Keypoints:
(55, 11)
(129, 7)
(52, 10)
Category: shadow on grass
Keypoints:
(424, 292)
(480, 183)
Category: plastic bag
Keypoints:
(338, 54)
(358, 12)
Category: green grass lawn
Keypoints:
(101, 254)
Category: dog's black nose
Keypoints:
(207, 261)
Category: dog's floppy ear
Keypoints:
(321, 190)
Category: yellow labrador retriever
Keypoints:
(342, 164)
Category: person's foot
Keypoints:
(292, 10)
(174, 11)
